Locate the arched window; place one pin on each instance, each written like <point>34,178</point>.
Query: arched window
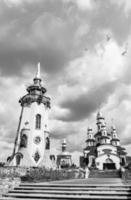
<point>19,156</point>
<point>47,143</point>
<point>23,142</point>
<point>38,121</point>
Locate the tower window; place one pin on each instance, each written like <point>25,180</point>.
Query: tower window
<point>38,121</point>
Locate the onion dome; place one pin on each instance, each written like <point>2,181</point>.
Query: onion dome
<point>99,116</point>
<point>89,130</point>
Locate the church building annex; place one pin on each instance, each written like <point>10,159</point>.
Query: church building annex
<point>103,149</point>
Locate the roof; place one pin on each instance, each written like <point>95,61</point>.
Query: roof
<point>99,115</point>
<point>119,148</point>
<point>88,148</point>
<point>104,137</point>
<point>115,139</point>
<point>122,153</point>
<point>97,134</point>
<point>91,149</point>
<point>92,153</point>
<point>90,140</point>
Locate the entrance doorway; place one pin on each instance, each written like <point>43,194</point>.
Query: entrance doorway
<point>109,164</point>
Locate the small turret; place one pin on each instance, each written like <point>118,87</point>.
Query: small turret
<point>104,139</point>
<point>90,139</point>
<point>103,130</point>
<point>114,141</point>
<point>100,120</point>
<point>99,115</point>
<point>64,159</point>
<point>64,146</point>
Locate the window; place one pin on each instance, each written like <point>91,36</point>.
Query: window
<point>23,142</point>
<point>38,121</point>
<point>47,146</point>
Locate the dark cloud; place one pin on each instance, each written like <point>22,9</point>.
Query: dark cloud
<point>87,103</point>
<point>52,32</point>
<point>46,31</point>
<point>36,32</point>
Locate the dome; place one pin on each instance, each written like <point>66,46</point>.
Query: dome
<point>64,142</point>
<point>99,116</point>
<point>89,129</point>
<point>113,127</point>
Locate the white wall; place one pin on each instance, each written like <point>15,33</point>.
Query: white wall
<point>29,114</point>
<point>102,159</point>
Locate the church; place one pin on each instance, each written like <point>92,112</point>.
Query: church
<point>32,142</point>
<point>103,150</point>
<point>64,159</point>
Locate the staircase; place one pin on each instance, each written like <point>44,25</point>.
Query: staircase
<point>104,174</point>
<point>93,188</point>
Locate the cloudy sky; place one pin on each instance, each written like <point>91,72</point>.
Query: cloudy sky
<point>84,47</point>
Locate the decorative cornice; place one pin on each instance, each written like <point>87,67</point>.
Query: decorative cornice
<point>28,99</point>
<point>36,87</point>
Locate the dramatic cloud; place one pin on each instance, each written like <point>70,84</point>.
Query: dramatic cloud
<point>88,102</point>
<point>84,48</point>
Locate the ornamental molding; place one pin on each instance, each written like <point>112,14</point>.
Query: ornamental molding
<point>29,99</point>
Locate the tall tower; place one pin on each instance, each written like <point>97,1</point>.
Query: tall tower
<point>32,141</point>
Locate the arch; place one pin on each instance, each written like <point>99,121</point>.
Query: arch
<point>108,160</point>
<point>47,146</point>
<point>38,121</point>
<point>19,156</point>
<point>23,142</point>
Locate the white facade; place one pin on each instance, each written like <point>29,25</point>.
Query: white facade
<point>107,154</point>
<point>32,145</point>
<point>103,150</point>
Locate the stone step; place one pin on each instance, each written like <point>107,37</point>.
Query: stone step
<point>71,190</point>
<point>80,181</point>
<point>63,197</point>
<point>74,188</point>
<point>77,185</point>
<point>69,198</point>
<point>89,192</point>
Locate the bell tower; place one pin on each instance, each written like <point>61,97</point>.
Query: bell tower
<point>32,143</point>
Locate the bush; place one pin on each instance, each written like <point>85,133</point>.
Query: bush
<point>42,174</point>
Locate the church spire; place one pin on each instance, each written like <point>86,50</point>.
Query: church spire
<point>38,71</point>
<point>37,78</point>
